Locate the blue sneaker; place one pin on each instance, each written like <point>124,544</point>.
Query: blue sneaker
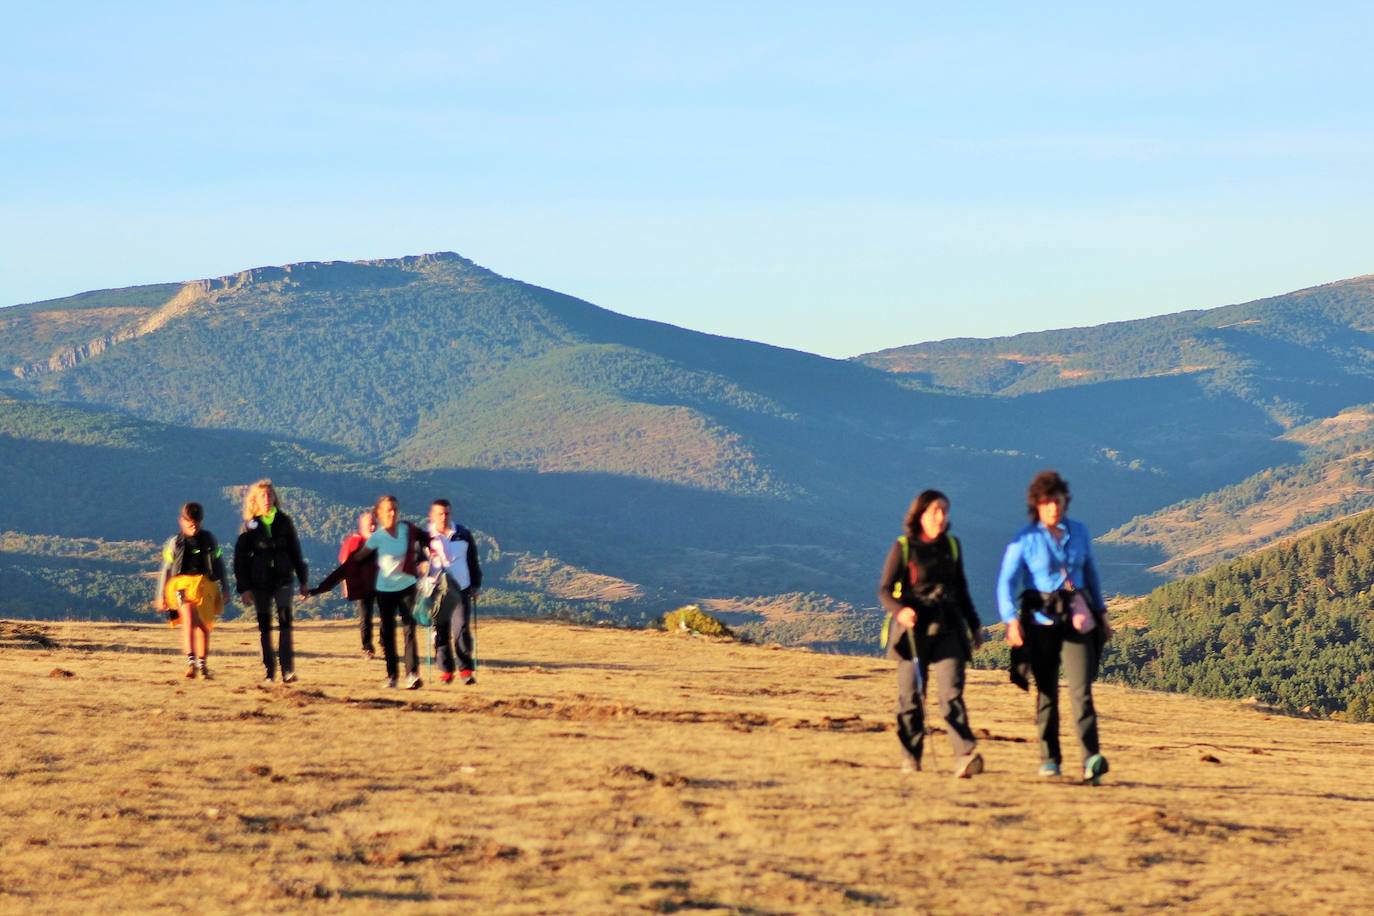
<point>1094,768</point>
<point>1049,770</point>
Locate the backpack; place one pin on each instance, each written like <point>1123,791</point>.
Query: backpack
<point>897,586</point>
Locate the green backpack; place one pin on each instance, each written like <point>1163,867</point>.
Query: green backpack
<point>897,586</point>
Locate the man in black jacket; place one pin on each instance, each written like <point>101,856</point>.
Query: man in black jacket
<point>266,557</point>
<point>453,560</point>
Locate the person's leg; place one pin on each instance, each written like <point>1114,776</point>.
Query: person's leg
<point>187,622</point>
<point>444,618</point>
<point>386,617</point>
<point>262,605</point>
<point>462,636</point>
<point>1080,661</point>
<point>1044,645</point>
<point>911,719</point>
<point>285,649</point>
<point>949,675</point>
<point>404,605</point>
<point>365,606</point>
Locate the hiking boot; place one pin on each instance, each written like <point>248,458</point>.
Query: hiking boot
<point>1049,770</point>
<point>288,677</point>
<point>467,676</point>
<point>1094,768</point>
<point>190,671</point>
<point>968,766</point>
<point>414,683</point>
<point>446,677</point>
<point>390,683</point>
<point>203,670</point>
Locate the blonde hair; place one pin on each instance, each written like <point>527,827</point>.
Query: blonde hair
<point>250,497</point>
<point>388,498</point>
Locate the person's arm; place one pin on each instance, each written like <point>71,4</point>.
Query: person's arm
<point>243,563</point>
<point>217,563</point>
<point>1090,580</point>
<point>975,625</point>
<point>160,600</point>
<point>328,582</point>
<point>297,558</point>
<point>1009,578</point>
<point>474,567</point>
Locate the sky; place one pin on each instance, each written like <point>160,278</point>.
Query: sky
<point>833,179</point>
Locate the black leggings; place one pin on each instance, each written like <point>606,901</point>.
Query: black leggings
<point>389,604</point>
<point>263,600</point>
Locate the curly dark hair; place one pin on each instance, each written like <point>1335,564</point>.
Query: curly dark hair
<point>1045,487</point>
<point>918,508</point>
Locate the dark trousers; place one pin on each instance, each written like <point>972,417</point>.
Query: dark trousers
<point>389,606</point>
<point>365,608</point>
<point>945,660</point>
<point>1050,647</point>
<point>263,600</point>
<point>453,628</point>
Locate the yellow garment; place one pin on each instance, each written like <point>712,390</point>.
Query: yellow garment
<point>203,595</point>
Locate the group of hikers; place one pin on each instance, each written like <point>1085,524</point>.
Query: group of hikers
<point>1049,597</point>
<point>387,565</point>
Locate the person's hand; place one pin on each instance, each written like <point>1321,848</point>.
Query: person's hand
<point>160,605</point>
<point>978,638</point>
<point>422,567</point>
<point>475,593</point>
<point>247,599</point>
<point>305,592</point>
<point>907,617</point>
<point>1014,635</point>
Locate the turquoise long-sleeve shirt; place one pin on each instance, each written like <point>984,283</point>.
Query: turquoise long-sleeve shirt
<point>1035,559</point>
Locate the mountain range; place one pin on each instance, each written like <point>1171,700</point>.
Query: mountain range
<point>616,467</point>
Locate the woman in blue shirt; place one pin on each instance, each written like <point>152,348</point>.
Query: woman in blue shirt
<point>1049,596</point>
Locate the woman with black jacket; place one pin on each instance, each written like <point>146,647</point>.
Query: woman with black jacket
<point>266,557</point>
<point>933,626</point>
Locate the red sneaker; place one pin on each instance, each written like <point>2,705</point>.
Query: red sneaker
<point>446,677</point>
<point>466,676</point>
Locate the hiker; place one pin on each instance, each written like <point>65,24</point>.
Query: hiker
<point>191,586</point>
<point>360,584</point>
<point>395,547</point>
<point>457,578</point>
<point>933,626</point>
<point>1060,618</point>
<point>266,556</point>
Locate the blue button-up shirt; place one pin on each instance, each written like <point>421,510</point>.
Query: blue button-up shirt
<point>1036,559</point>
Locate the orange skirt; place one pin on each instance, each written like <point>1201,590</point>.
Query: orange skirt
<point>203,595</point>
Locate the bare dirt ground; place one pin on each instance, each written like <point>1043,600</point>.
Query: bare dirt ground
<point>595,770</point>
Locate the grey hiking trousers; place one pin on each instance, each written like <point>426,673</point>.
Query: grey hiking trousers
<point>944,660</point>
<point>1050,646</point>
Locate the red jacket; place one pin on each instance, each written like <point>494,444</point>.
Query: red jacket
<point>360,580</point>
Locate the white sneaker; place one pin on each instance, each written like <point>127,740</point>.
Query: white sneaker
<point>414,682</point>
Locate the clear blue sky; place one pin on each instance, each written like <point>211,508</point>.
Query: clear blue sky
<point>835,179</point>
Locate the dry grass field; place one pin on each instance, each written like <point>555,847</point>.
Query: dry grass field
<point>595,770</point>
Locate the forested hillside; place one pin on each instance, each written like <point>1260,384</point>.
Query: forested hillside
<point>1292,626</point>
<point>1299,356</point>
